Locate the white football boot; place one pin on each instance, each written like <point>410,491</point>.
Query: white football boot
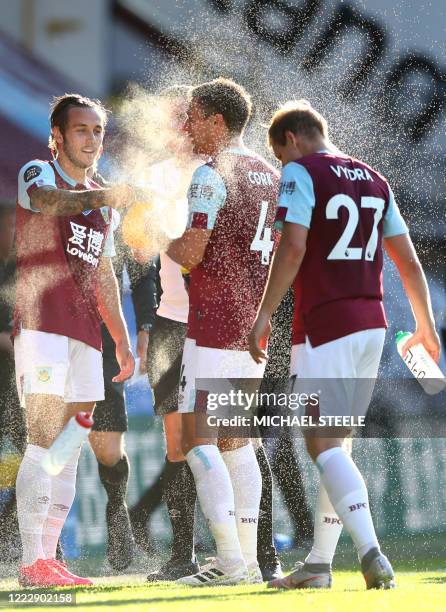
<point>216,573</point>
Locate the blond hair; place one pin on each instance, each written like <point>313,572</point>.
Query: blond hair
<point>298,117</point>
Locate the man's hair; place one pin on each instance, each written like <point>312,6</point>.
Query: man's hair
<point>298,117</point>
<point>176,91</point>
<point>225,97</point>
<point>60,108</point>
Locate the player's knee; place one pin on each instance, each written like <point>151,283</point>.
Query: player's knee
<point>176,454</point>
<point>186,446</point>
<point>256,443</point>
<point>37,439</point>
<point>44,419</point>
<point>174,448</point>
<point>44,437</point>
<point>108,456</point>
<point>188,442</point>
<point>229,444</point>
<point>315,446</point>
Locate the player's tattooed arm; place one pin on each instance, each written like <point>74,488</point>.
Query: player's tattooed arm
<point>66,202</point>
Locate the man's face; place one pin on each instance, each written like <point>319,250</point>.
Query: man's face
<point>178,141</point>
<point>203,131</point>
<point>82,140</point>
<point>287,152</point>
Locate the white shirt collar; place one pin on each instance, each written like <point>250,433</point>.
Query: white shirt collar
<point>63,175</point>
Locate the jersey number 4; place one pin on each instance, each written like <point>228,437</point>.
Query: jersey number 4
<point>342,250</point>
<point>264,245</point>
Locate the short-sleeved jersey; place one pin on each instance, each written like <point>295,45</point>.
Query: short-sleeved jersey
<point>235,197</point>
<point>58,259</point>
<point>348,208</point>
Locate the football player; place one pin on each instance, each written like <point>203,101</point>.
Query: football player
<point>336,214</point>
<point>227,248</point>
<point>65,286</point>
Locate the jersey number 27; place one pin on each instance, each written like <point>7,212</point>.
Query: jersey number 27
<point>342,250</point>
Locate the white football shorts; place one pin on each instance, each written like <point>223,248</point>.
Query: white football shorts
<point>341,372</point>
<point>209,366</point>
<point>52,364</point>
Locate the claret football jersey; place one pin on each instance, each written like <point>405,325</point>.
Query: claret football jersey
<point>348,209</point>
<point>58,259</point>
<point>235,197</point>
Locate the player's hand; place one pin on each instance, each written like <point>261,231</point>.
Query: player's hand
<point>428,337</point>
<point>142,344</point>
<point>258,338</point>
<point>6,345</point>
<point>121,196</point>
<point>126,362</point>
<point>142,256</point>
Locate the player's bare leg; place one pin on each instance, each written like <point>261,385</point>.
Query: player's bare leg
<point>108,446</point>
<point>113,466</point>
<point>216,495</point>
<point>173,437</point>
<point>43,501</point>
<point>175,484</point>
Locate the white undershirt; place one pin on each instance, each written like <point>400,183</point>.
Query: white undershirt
<point>170,181</point>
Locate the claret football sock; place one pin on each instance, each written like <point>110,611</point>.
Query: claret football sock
<point>216,496</point>
<point>348,493</point>
<point>327,530</point>
<point>246,481</point>
<point>33,491</point>
<point>63,490</point>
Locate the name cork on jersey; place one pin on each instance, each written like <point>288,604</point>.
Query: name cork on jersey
<point>227,286</point>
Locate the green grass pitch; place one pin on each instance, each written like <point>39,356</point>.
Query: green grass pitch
<point>417,591</point>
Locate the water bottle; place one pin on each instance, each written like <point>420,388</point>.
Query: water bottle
<point>70,440</point>
<point>421,364</point>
